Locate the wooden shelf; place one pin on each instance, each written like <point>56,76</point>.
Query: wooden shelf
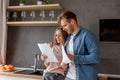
<point>34,7</point>
<point>33,23</point>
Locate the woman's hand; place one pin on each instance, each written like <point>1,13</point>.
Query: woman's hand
<point>43,57</point>
<point>51,44</point>
<point>63,65</point>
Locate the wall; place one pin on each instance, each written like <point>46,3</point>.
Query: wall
<point>1,26</point>
<point>22,44</point>
<point>88,12</point>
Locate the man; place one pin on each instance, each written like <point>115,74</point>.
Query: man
<point>81,47</point>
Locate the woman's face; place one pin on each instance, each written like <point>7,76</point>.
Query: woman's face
<point>59,37</point>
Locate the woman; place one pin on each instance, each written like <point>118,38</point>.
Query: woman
<point>55,70</point>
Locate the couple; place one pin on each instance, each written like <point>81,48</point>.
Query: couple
<point>81,47</point>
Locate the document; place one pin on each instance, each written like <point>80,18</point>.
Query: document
<point>65,57</point>
<point>46,49</point>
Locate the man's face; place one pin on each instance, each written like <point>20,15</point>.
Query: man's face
<point>67,26</point>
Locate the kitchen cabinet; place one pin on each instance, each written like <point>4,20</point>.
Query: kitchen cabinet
<point>33,8</point>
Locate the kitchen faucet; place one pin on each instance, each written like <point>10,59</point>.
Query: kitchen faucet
<point>36,59</point>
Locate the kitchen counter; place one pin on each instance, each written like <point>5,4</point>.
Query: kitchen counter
<point>37,77</point>
<point>108,76</point>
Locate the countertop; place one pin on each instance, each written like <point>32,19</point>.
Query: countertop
<point>20,75</point>
<point>105,76</point>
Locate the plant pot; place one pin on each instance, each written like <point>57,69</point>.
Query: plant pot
<point>21,4</point>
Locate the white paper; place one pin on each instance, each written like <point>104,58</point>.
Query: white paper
<point>65,57</point>
<point>45,49</point>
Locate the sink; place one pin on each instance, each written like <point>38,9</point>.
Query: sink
<point>30,72</point>
<point>38,73</point>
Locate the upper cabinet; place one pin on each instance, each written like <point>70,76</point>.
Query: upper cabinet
<point>33,8</point>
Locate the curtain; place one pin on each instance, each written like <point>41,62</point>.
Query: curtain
<point>3,30</point>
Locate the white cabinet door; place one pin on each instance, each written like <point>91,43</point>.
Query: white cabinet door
<point>14,78</point>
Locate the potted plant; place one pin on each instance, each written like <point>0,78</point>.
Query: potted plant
<point>21,2</point>
<point>47,1</point>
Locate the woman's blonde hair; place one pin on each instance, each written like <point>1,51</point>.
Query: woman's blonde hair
<point>64,34</point>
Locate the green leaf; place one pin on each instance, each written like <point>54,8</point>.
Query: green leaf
<point>21,1</point>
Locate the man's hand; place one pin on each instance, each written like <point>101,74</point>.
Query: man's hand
<point>71,57</point>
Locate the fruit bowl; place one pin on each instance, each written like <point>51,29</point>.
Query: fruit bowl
<point>7,68</point>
